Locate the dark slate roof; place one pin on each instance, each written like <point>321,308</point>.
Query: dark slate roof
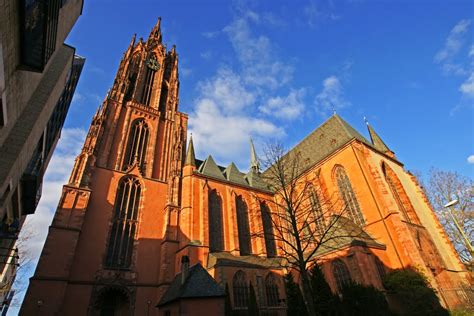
<point>228,259</point>
<point>324,140</point>
<point>198,284</point>
<point>210,168</point>
<point>233,174</point>
<point>345,233</point>
<point>377,141</point>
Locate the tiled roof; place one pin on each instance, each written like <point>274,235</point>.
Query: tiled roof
<point>198,284</point>
<point>227,259</point>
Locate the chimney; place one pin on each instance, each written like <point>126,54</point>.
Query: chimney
<point>184,268</point>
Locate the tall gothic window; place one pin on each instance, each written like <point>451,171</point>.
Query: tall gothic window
<point>348,196</point>
<point>241,290</point>
<point>397,191</point>
<point>216,229</point>
<point>318,212</point>
<point>137,144</point>
<point>268,230</point>
<point>341,273</point>
<point>152,67</point>
<point>271,289</point>
<point>243,226</point>
<point>124,224</point>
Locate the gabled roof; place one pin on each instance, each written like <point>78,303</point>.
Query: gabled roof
<point>251,261</point>
<point>377,142</point>
<point>324,140</point>
<point>254,180</point>
<point>233,174</point>
<point>210,168</point>
<point>198,284</point>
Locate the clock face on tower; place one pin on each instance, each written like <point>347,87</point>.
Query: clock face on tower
<point>153,64</point>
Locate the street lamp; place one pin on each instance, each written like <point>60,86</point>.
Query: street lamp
<point>449,207</point>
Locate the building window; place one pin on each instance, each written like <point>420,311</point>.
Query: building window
<point>380,268</point>
<point>124,224</point>
<point>243,226</point>
<point>268,230</point>
<point>348,196</point>
<point>149,79</point>
<point>398,192</point>
<point>241,290</point>
<point>271,289</point>
<point>317,212</point>
<point>216,229</point>
<point>38,31</point>
<point>137,145</point>
<point>341,274</point>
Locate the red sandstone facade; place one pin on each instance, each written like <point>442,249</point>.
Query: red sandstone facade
<point>137,201</point>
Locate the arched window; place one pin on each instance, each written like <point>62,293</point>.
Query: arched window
<point>112,301</point>
<point>216,229</point>
<point>271,290</point>
<point>241,289</point>
<point>152,67</point>
<point>348,196</point>
<point>317,211</point>
<point>137,144</point>
<point>268,230</point>
<point>398,192</point>
<point>243,226</point>
<point>124,224</point>
<point>341,273</point>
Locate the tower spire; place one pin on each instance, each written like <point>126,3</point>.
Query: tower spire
<point>155,34</point>
<point>190,156</point>
<point>377,142</point>
<point>254,163</point>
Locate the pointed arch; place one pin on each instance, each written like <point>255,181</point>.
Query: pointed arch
<point>149,79</point>
<point>137,145</point>
<point>398,192</point>
<point>243,226</point>
<point>215,218</point>
<point>271,291</point>
<point>317,211</point>
<point>124,224</point>
<point>268,234</point>
<point>348,195</point>
<point>240,289</point>
<point>341,274</point>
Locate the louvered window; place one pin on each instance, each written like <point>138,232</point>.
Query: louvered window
<point>137,145</point>
<point>124,224</point>
<point>341,273</point>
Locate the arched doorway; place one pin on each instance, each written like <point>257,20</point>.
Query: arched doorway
<point>112,301</point>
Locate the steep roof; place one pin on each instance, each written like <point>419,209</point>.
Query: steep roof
<point>324,140</point>
<point>210,168</point>
<point>228,259</point>
<point>377,142</point>
<point>198,284</point>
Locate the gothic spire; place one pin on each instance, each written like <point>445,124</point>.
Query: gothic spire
<point>377,142</point>
<point>131,45</point>
<point>155,34</point>
<point>190,157</point>
<point>254,164</point>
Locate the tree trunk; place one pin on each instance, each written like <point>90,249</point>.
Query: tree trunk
<point>307,293</point>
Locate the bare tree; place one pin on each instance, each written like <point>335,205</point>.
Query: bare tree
<point>444,187</point>
<point>306,220</point>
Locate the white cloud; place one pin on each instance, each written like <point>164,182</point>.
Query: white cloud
<point>453,42</point>
<point>470,159</point>
<point>210,34</point>
<point>331,96</point>
<point>206,55</point>
<point>467,88</point>
<point>227,90</point>
<point>289,107</point>
<point>317,13</point>
<point>260,67</point>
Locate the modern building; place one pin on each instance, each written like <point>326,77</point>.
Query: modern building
<point>144,223</point>
<point>38,76</point>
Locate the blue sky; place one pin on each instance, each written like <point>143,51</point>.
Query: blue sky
<point>275,70</point>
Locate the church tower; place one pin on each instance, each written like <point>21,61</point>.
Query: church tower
<point>110,245</point>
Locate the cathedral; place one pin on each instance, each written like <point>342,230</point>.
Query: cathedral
<point>143,227</point>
